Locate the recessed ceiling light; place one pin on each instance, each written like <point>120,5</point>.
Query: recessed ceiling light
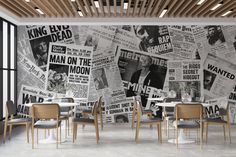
<point>80,13</point>
<point>227,13</point>
<point>96,4</point>
<point>27,0</point>
<point>39,11</point>
<point>125,5</point>
<point>163,12</point>
<point>72,0</point>
<point>217,6</point>
<point>200,2</point>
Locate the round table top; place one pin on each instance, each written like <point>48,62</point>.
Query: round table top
<point>172,104</point>
<point>61,104</point>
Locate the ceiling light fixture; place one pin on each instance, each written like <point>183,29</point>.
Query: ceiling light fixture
<point>72,0</point>
<point>163,12</point>
<point>200,2</point>
<point>125,5</point>
<point>80,13</point>
<point>27,1</point>
<point>96,4</point>
<point>227,13</point>
<point>217,6</point>
<point>39,11</point>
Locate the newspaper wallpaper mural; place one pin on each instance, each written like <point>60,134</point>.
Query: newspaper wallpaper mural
<point>118,62</point>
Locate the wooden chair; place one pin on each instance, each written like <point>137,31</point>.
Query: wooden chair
<point>223,119</point>
<point>48,117</point>
<point>87,121</point>
<point>193,112</point>
<point>88,112</point>
<point>140,121</point>
<point>134,113</point>
<point>11,111</point>
<point>66,113</point>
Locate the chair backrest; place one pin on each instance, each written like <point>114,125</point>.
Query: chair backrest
<point>95,109</point>
<point>11,108</point>
<point>70,100</point>
<point>139,111</point>
<point>45,111</point>
<point>188,111</point>
<point>100,104</point>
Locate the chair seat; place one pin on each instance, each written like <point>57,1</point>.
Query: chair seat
<point>152,120</point>
<point>19,120</point>
<point>83,120</point>
<point>88,111</point>
<point>171,117</point>
<point>188,124</point>
<point>147,111</point>
<point>215,120</point>
<point>46,124</point>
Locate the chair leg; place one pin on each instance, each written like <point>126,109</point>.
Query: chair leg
<point>27,132</point>
<point>160,132</point>
<point>74,132</point>
<point>206,132</point>
<point>32,133</point>
<point>45,132</point>
<point>137,132</point>
<point>5,131</point>
<point>60,134</point>
<point>101,120</point>
<point>68,126</point>
<point>97,132</point>
<point>133,119</point>
<point>37,136</point>
<point>57,136</point>
<point>229,132</point>
<point>177,137</point>
<point>224,132</point>
<point>10,132</point>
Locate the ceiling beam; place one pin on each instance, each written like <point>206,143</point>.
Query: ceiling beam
<point>148,8</point>
<point>94,8</point>
<point>128,9</point>
<point>102,8</point>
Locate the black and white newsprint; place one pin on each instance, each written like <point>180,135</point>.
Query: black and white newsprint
<point>142,73</point>
<point>218,77</point>
<point>185,77</point>
<point>69,68</point>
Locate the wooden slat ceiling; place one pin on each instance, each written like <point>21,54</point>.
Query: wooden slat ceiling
<point>115,8</point>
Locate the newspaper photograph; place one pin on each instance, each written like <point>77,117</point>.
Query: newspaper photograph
<point>211,39</point>
<point>69,68</point>
<point>37,39</point>
<point>119,111</point>
<point>125,38</point>
<point>99,37</point>
<point>218,77</point>
<point>183,43</point>
<point>141,73</point>
<point>106,77</point>
<point>152,39</point>
<point>29,73</point>
<point>185,77</point>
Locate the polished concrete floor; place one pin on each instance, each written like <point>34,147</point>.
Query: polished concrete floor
<point>118,141</point>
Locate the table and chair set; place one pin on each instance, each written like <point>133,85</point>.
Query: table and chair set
<point>49,115</point>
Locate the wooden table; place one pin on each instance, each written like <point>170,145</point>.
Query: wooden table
<point>181,137</point>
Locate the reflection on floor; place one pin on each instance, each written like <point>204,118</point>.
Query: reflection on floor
<point>118,141</point>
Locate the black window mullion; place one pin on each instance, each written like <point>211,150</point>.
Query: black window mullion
<point>9,61</point>
<point>1,71</point>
